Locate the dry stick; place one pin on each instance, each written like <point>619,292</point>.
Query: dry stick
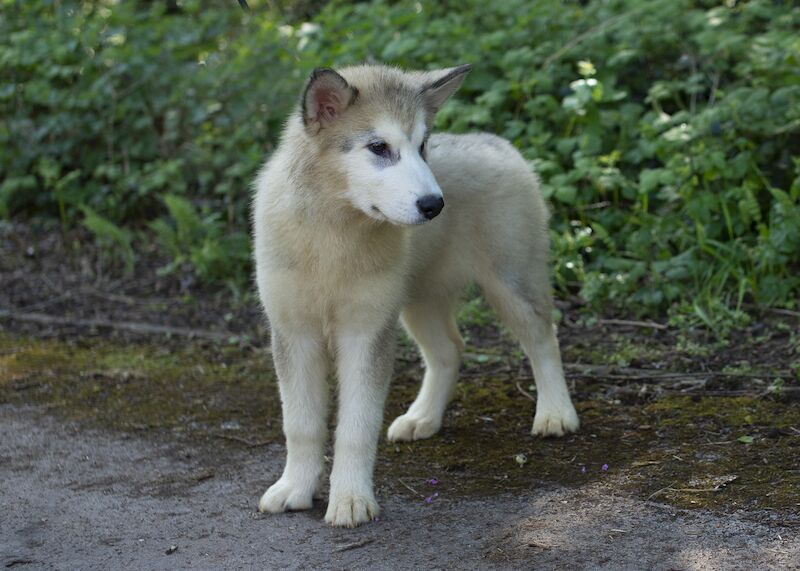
<point>122,298</point>
<point>131,326</point>
<point>634,373</point>
<point>409,487</point>
<point>526,393</point>
<point>780,311</point>
<point>716,489</point>
<point>47,302</point>
<point>244,441</point>
<point>685,490</point>
<point>628,322</point>
<point>355,545</point>
<point>657,493</point>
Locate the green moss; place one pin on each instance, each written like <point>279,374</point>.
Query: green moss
<point>659,449</point>
<point>138,386</point>
<point>654,448</point>
<point>617,350</point>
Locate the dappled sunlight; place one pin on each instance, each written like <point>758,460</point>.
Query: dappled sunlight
<point>593,527</point>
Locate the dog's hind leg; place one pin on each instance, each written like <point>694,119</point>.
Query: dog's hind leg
<point>525,306</point>
<point>301,364</point>
<point>433,327</point>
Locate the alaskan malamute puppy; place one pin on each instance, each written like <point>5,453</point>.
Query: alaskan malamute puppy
<point>363,216</point>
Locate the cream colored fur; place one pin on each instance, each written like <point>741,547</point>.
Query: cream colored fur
<point>341,253</point>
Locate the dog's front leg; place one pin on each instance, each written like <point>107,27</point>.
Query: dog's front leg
<point>364,363</point>
<point>301,365</point>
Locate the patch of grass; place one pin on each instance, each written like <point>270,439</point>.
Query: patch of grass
<point>668,445</point>
<point>144,386</point>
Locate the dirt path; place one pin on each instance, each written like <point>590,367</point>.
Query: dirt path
<point>147,445</point>
<point>87,499</point>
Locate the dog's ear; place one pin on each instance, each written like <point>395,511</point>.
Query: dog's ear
<point>441,84</point>
<point>326,96</point>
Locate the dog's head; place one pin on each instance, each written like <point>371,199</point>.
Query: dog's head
<point>372,123</point>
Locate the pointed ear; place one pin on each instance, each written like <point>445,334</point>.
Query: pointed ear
<point>441,84</point>
<point>326,96</point>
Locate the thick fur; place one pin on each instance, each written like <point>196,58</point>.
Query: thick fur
<point>342,252</point>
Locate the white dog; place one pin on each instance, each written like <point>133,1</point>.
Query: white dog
<point>352,232</point>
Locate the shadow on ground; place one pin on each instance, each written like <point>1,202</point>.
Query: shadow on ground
<point>118,452</point>
<point>123,449</point>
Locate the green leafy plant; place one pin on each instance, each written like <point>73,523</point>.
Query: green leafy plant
<point>666,134</point>
<point>202,241</point>
<point>113,240</point>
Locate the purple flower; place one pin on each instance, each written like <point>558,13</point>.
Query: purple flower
<point>430,499</point>
<point>433,481</point>
<point>583,469</point>
<point>604,467</point>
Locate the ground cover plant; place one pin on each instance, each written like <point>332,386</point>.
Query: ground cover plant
<point>667,138</point>
<point>666,133</point>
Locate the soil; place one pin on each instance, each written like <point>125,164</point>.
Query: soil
<point>128,447</point>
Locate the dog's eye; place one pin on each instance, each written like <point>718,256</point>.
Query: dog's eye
<point>422,149</point>
<point>379,148</point>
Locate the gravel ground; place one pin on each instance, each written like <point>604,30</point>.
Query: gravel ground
<point>78,498</point>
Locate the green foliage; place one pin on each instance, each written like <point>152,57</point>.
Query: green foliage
<point>113,104</point>
<point>215,255</point>
<point>667,134</point>
<point>111,238</point>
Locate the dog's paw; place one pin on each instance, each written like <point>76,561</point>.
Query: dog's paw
<point>555,421</point>
<point>351,510</point>
<point>408,427</point>
<point>285,495</point>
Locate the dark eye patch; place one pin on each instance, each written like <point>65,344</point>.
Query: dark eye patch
<point>380,149</point>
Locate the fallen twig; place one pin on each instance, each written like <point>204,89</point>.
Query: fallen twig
<point>47,302</point>
<point>635,373</point>
<point>691,490</point>
<point>780,311</point>
<point>630,323</point>
<point>130,326</point>
<point>354,545</point>
<point>718,488</point>
<point>526,393</point>
<point>203,476</point>
<point>244,441</point>
<point>409,487</point>
<point>18,561</point>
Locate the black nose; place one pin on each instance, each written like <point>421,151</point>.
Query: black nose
<point>430,205</point>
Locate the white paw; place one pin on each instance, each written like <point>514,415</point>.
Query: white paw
<point>286,495</point>
<point>351,510</point>
<point>408,427</point>
<point>555,421</point>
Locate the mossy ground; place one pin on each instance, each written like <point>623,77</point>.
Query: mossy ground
<point>674,438</point>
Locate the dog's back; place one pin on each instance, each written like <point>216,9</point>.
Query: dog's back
<point>495,216</point>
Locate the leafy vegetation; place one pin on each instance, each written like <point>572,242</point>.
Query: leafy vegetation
<point>667,134</point>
